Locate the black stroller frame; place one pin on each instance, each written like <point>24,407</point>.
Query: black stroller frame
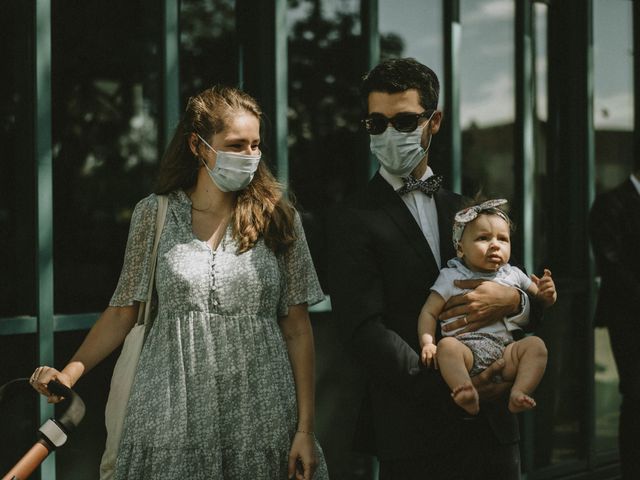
<point>52,434</point>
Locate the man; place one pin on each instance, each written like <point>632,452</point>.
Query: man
<point>614,228</point>
<point>388,246</point>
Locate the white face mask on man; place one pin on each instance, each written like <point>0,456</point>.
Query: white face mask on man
<point>232,171</point>
<point>398,152</point>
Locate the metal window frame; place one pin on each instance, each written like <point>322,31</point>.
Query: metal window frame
<point>452,32</point>
<point>45,324</point>
<point>44,206</point>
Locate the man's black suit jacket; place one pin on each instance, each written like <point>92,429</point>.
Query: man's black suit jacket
<point>381,269</point>
<point>614,228</point>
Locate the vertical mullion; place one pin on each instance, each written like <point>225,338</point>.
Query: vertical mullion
<point>170,70</point>
<point>44,192</point>
<point>280,86</point>
<point>525,164</point>
<point>452,35</point>
<point>636,78</point>
<point>369,13</point>
<point>591,269</point>
<point>524,141</point>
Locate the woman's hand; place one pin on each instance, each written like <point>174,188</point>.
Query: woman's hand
<point>487,303</point>
<point>303,460</point>
<point>41,378</point>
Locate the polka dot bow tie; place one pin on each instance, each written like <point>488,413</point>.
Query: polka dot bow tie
<point>429,186</point>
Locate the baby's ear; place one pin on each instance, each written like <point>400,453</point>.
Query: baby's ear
<point>459,252</point>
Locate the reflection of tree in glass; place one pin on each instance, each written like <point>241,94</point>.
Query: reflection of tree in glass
<point>208,46</point>
<point>105,89</point>
<point>326,62</point>
<point>391,46</point>
<point>328,151</point>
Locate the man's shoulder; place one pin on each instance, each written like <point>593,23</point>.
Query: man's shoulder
<point>615,200</point>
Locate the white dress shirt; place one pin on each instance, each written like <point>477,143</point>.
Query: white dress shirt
<point>423,209</point>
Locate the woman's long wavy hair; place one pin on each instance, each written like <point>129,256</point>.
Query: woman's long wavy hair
<point>261,209</point>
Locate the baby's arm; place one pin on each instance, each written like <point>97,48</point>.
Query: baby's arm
<point>427,327</point>
<point>543,289</point>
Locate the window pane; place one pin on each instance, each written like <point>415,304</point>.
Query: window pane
<point>415,30</point>
<point>613,118</point>
<point>328,157</point>
<point>613,95</point>
<point>327,149</point>
<point>540,133</point>
<point>17,173</point>
<point>608,398</point>
<point>208,45</point>
<point>487,96</point>
<point>81,455</point>
<point>106,87</point>
<point>19,407</point>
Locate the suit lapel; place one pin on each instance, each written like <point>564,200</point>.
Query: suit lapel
<point>447,204</point>
<point>395,207</point>
<point>631,205</point>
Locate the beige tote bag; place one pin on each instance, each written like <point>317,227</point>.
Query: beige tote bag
<point>125,367</point>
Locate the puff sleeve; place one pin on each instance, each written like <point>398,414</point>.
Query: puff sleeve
<point>134,277</point>
<point>300,282</point>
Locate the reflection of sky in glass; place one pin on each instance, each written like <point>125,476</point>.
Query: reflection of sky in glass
<point>419,24</point>
<point>613,64</point>
<point>486,62</point>
<point>540,33</point>
<point>487,54</point>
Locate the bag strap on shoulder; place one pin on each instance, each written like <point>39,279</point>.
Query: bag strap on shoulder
<point>144,312</point>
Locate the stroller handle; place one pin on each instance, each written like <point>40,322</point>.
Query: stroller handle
<point>52,434</point>
<point>74,413</point>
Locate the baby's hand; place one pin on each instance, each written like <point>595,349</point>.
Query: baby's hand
<point>546,288</point>
<point>428,355</point>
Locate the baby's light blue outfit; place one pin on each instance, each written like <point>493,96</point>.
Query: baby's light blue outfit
<point>486,343</point>
<point>213,396</point>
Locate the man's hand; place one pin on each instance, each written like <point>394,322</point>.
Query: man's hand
<point>487,302</point>
<point>488,390</point>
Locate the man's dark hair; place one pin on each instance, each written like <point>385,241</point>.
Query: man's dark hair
<point>399,74</point>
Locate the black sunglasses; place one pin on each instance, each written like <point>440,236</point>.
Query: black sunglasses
<point>376,123</point>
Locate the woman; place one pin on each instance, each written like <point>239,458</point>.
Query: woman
<point>224,386</point>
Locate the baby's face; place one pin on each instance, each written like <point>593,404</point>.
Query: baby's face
<point>486,243</point>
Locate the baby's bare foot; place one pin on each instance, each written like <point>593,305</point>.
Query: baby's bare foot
<point>466,397</point>
<point>520,401</point>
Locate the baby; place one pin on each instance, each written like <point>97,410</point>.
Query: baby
<point>481,235</point>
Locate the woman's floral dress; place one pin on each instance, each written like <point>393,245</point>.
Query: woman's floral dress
<point>213,395</point>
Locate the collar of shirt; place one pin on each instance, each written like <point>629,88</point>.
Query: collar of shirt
<point>396,181</point>
<point>636,182</point>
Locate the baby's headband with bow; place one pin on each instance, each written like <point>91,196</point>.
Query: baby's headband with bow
<point>470,213</point>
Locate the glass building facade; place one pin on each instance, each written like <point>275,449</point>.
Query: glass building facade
<point>539,101</point>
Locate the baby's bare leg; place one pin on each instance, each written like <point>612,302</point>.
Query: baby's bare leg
<point>454,361</point>
<point>525,362</point>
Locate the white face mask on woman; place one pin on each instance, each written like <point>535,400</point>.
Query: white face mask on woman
<point>399,152</point>
<point>233,171</point>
